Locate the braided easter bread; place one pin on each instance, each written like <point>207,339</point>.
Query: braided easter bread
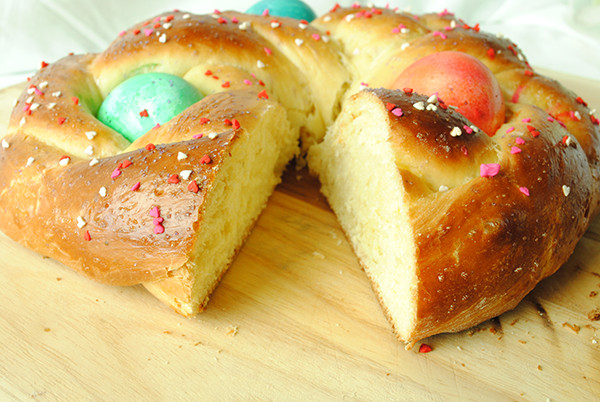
<point>452,225</point>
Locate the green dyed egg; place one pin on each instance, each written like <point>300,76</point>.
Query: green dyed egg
<point>284,8</point>
<point>141,102</point>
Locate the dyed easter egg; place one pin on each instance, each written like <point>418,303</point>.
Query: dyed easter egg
<point>141,102</point>
<point>284,8</point>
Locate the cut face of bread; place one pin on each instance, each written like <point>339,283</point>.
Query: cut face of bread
<point>357,168</point>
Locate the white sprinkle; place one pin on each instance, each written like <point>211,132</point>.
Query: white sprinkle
<point>30,161</point>
<point>404,46</point>
<point>212,136</point>
<point>29,100</point>
<point>452,24</point>
<point>327,18</point>
<point>325,38</point>
<point>22,122</point>
<point>443,188</point>
<point>181,156</point>
<point>275,24</point>
<point>90,134</point>
<point>568,141</point>
<point>244,25</point>
<point>356,51</point>
<point>456,132</point>
<point>89,150</point>
<point>404,30</point>
<point>34,106</point>
<point>577,115</point>
<point>167,25</point>
<point>5,143</point>
<point>318,255</point>
<point>163,38</point>
<point>56,94</point>
<point>15,101</point>
<point>185,174</point>
<point>520,57</point>
<point>592,111</point>
<point>102,191</point>
<point>302,25</point>
<point>431,107</point>
<point>474,128</point>
<point>43,84</point>
<point>566,190</point>
<point>51,105</point>
<point>260,64</point>
<point>419,105</point>
<point>81,222</point>
<point>64,161</point>
<point>185,16</point>
<point>30,91</point>
<point>299,41</point>
<point>432,99</point>
<point>94,162</point>
<point>349,17</point>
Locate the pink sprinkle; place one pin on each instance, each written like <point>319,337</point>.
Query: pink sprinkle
<point>155,212</point>
<point>510,130</point>
<point>468,129</point>
<point>397,112</point>
<point>489,169</point>
<point>122,33</point>
<point>562,124</point>
<point>37,91</point>
<point>519,140</point>
<point>158,229</point>
<point>440,34</point>
<point>157,126</point>
<point>234,20</point>
<point>268,51</point>
<point>196,136</point>
<point>157,19</point>
<point>551,119</point>
<point>157,221</point>
<point>247,82</point>
<point>396,30</point>
<point>265,12</point>
<point>116,173</point>
<point>316,36</point>
<point>527,120</point>
<point>524,190</point>
<point>136,186</point>
<point>515,150</point>
<point>572,114</point>
<point>148,31</point>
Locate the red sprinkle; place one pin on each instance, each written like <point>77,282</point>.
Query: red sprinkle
<point>174,178</point>
<point>390,106</point>
<point>491,53</point>
<point>193,186</point>
<point>235,124</point>
<point>204,120</point>
<point>208,72</point>
<point>44,64</point>
<point>408,90</point>
<point>150,147</point>
<point>263,95</point>
<point>226,84</point>
<point>425,348</point>
<point>75,100</point>
<point>335,8</point>
<point>222,20</point>
<point>125,163</point>
<point>529,73</point>
<point>205,160</point>
<point>144,113</point>
<point>580,101</point>
<point>86,236</point>
<point>61,120</point>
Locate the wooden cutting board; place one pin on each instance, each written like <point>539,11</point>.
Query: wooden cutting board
<point>293,319</point>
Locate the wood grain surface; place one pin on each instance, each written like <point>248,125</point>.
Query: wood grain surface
<point>293,319</point>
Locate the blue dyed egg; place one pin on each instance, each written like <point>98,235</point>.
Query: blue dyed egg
<point>284,8</point>
<point>141,102</point>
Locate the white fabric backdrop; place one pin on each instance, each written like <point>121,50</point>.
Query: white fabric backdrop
<point>563,35</point>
